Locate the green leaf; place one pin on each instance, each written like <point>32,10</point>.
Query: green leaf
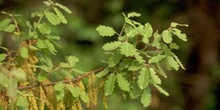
<point>72,60</point>
<point>41,77</point>
<point>54,37</point>
<point>60,95</point>
<point>10,28</point>
<point>64,65</point>
<point>63,7</point>
<point>143,78</point>
<point>18,73</point>
<point>3,80</point>
<point>135,91</point>
<point>133,14</point>
<point>161,72</point>
<point>179,62</point>
<point>84,97</point>
<point>2,57</point>
<point>135,66</point>
<point>174,46</point>
<point>128,21</point>
<point>50,47</point>
<point>166,49</point>
<point>135,31</point>
<point>105,30</point>
<point>22,102</point>
<point>123,83</point>
<point>167,36</point>
<point>128,49</point>
<point>157,39</point>
<point>47,60</point>
<point>147,33</point>
<point>112,45</point>
<point>4,23</point>
<point>124,64</point>
<point>24,52</point>
<point>156,59</point>
<point>178,33</point>
<point>161,90</point>
<point>172,63</point>
<point>47,3</point>
<point>52,18</point>
<point>174,24</point>
<point>59,87</point>
<point>146,98</point>
<point>102,73</point>
<point>75,91</point>
<point>44,28</point>
<point>139,58</point>
<point>60,15</point>
<point>41,44</point>
<point>154,77</point>
<point>114,60</point>
<point>12,88</point>
<point>110,84</point>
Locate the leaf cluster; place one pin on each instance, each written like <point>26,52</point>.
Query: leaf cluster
<point>30,80</point>
<point>136,58</point>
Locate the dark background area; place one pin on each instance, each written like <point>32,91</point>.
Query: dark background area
<point>196,88</point>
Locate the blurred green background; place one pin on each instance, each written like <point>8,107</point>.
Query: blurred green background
<point>196,88</point>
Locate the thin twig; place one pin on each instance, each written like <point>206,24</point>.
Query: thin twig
<point>63,81</point>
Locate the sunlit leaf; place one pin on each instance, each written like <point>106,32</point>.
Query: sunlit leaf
<point>139,58</point>
<point>11,88</point>
<point>59,87</point>
<point>147,33</point>
<point>128,49</point>
<point>156,59</point>
<point>174,24</point>
<point>178,33</point>
<point>50,46</point>
<point>154,77</point>
<point>63,7</point>
<point>72,60</point>
<point>10,28</point>
<point>102,73</point>
<point>2,57</point>
<point>105,31</point>
<point>114,60</point>
<point>84,97</point>
<point>60,15</point>
<point>75,90</point>
<point>161,90</point>
<point>4,23</point>
<point>174,46</point>
<point>22,102</point>
<point>3,80</point>
<point>41,44</point>
<point>172,62</point>
<point>52,18</point>
<point>110,84</point>
<point>133,14</point>
<point>24,52</point>
<point>146,98</point>
<point>44,28</point>
<point>123,83</point>
<point>161,71</point>
<point>167,36</point>
<point>18,73</point>
<point>135,31</point>
<point>143,78</point>
<point>112,45</point>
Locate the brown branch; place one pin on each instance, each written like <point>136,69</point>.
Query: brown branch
<point>63,81</point>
